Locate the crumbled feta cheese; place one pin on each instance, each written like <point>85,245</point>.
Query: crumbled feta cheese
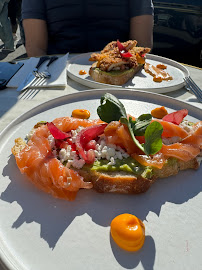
<point>51,140</point>
<point>75,132</point>
<point>168,141</point>
<point>185,125</point>
<point>29,135</point>
<point>66,154</point>
<point>107,151</point>
<point>112,161</point>
<point>78,163</point>
<point>110,152</point>
<point>118,155</point>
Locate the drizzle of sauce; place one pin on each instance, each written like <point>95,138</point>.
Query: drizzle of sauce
<point>159,74</point>
<point>82,72</point>
<point>161,66</point>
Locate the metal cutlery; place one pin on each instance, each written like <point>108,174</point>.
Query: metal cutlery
<point>31,76</point>
<point>45,73</point>
<point>193,87</point>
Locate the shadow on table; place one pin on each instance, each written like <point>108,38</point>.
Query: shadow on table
<point>9,101</point>
<point>55,215</point>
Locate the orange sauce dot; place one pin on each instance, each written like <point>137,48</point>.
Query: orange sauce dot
<point>159,112</point>
<point>80,113</point>
<point>128,232</point>
<point>82,72</point>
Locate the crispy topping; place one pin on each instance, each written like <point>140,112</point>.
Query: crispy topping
<point>110,57</point>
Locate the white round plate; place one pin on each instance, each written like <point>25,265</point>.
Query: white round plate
<point>40,232</point>
<point>141,81</point>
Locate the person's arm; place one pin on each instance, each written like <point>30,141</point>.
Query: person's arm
<point>141,29</point>
<point>36,37</point>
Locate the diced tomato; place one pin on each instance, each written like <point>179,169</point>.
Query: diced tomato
<point>56,132</point>
<point>176,117</point>
<point>84,137</point>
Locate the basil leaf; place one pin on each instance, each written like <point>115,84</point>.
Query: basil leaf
<point>111,108</point>
<point>153,141</point>
<point>142,122</point>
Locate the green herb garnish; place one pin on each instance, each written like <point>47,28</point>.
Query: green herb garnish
<point>111,109</point>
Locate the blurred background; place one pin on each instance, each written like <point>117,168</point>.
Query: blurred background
<point>177,32</point>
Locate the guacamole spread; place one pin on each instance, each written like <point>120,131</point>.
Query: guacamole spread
<point>129,165</point>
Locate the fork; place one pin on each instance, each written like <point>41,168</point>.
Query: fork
<point>193,88</point>
<point>45,73</point>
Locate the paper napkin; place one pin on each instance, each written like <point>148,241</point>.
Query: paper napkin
<point>57,70</point>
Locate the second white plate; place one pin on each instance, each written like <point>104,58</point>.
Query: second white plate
<point>141,81</point>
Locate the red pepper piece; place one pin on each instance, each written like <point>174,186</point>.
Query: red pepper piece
<point>126,54</point>
<point>84,137</point>
<point>120,46</point>
<point>56,132</point>
<point>176,117</point>
<point>123,51</point>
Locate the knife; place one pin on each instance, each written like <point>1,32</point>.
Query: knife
<point>31,76</point>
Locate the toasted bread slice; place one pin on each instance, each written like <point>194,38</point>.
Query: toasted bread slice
<point>117,182</point>
<point>128,183</point>
<point>19,145</point>
<point>115,77</point>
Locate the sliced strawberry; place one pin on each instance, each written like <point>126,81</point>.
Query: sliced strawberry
<point>56,132</point>
<point>176,117</point>
<point>84,137</point>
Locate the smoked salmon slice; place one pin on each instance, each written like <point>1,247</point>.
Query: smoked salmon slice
<point>37,161</point>
<point>67,124</point>
<point>195,136</point>
<point>118,134</point>
<point>172,130</point>
<point>157,160</point>
<point>180,151</point>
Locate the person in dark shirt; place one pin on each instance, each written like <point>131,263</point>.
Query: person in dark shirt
<point>77,26</point>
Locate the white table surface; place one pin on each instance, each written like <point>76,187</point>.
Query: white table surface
<point>12,106</point>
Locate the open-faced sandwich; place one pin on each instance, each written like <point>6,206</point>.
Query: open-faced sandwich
<point>115,153</point>
<point>117,62</point>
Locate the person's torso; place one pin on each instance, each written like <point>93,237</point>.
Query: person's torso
<point>86,25</point>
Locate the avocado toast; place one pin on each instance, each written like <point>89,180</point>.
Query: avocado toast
<point>116,153</point>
